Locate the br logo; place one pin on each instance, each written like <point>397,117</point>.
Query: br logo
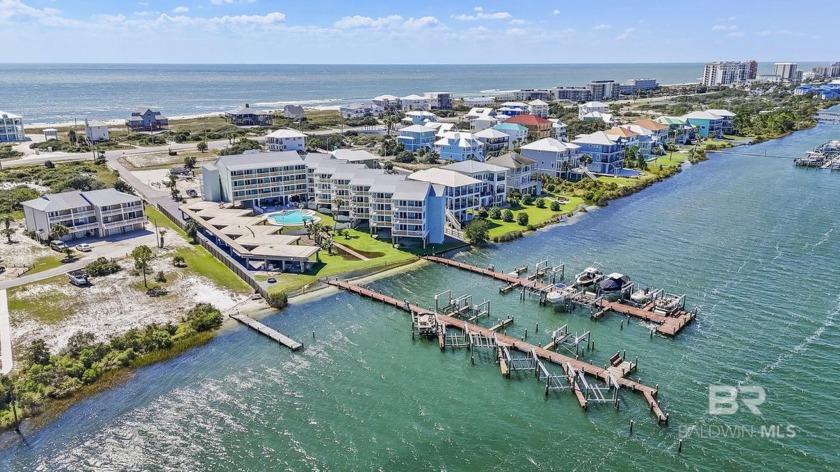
<point>723,399</point>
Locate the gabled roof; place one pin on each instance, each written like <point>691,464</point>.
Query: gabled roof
<point>551,145</point>
<point>411,190</point>
<point>247,110</point>
<point>449,178</point>
<point>58,201</point>
<point>510,126</point>
<point>671,120</point>
<point>598,137</point>
<point>623,132</point>
<point>413,97</point>
<point>527,120</point>
<point>386,97</point>
<point>594,105</point>
<point>537,102</point>
<point>473,167</point>
<point>108,196</point>
<point>418,129</point>
<point>354,155</point>
<point>248,161</point>
<point>491,133</point>
<point>458,138</point>
<point>387,183</point>
<point>285,133</point>
<point>701,115</point>
<point>721,112</point>
<point>650,125</point>
<point>5,114</point>
<point>511,160</point>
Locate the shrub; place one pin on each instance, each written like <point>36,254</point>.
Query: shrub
<point>102,267</point>
<point>522,218</point>
<point>495,213</point>
<point>204,317</point>
<point>476,231</point>
<point>179,261</point>
<point>550,187</point>
<point>49,164</point>
<point>278,300</point>
<point>507,216</point>
<point>540,203</point>
<point>555,206</point>
<point>160,277</point>
<point>483,213</point>
<point>527,199</point>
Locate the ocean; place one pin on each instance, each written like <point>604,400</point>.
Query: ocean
<point>752,241</point>
<point>61,93</point>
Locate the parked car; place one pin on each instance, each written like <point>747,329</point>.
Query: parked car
<point>57,245</point>
<point>83,247</point>
<point>78,278</point>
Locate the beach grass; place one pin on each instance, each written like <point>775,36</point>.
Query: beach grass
<point>47,308</point>
<point>670,159</point>
<point>45,263</point>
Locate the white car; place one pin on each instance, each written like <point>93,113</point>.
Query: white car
<point>84,247</point>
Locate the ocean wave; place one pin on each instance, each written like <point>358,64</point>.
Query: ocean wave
<point>281,103</point>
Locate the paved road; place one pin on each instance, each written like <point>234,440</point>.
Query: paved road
<point>5,336</point>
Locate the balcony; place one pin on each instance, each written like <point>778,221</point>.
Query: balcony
<point>123,222</point>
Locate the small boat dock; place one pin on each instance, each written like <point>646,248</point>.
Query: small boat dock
<point>270,333</point>
<point>824,156</point>
<point>670,324</point>
<point>573,379</point>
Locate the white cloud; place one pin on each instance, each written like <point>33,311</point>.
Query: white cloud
<point>556,12</point>
<point>392,21</point>
<point>271,20</point>
<point>481,15</point>
<point>735,34</point>
<point>602,26</point>
<point>179,10</point>
<point>725,28</point>
<point>626,34</point>
<point>781,32</point>
<point>219,2</point>
<point>516,32</point>
<point>518,22</point>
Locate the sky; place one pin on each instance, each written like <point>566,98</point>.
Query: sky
<point>416,32</point>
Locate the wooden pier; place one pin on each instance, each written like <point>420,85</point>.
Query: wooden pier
<point>668,325</point>
<point>270,333</point>
<point>613,375</point>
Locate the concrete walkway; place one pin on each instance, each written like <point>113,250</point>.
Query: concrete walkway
<point>5,336</point>
<point>38,276</point>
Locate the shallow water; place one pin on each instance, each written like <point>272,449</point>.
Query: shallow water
<point>752,241</point>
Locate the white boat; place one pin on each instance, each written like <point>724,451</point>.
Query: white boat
<point>513,274</point>
<point>559,294</point>
<point>642,296</point>
<point>589,277</point>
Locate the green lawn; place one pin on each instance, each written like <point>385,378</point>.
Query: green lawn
<point>620,181</point>
<point>45,263</point>
<point>670,159</point>
<point>199,260</point>
<point>536,216</point>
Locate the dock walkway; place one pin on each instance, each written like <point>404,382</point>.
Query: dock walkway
<point>270,333</point>
<point>668,325</point>
<point>605,375</point>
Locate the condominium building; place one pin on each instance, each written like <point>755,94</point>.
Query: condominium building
<point>462,193</point>
<point>286,140</point>
<point>493,189</point>
<point>728,72</point>
<point>406,209</point>
<point>786,70</point>
<point>603,90</point>
<point>11,128</point>
<point>95,213</point>
<point>440,100</point>
<point>255,180</point>
<point>572,94</point>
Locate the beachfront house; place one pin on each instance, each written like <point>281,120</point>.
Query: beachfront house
<point>707,124</point>
<point>256,180</point>
<point>513,109</point>
<point>493,180</point>
<point>521,173</point>
<point>553,157</point>
<point>95,213</point>
<point>658,132</point>
<point>518,133</point>
<point>538,108</point>
<point>538,128</point>
<point>439,100</point>
<point>642,142</point>
<point>417,137</point>
<point>495,142</point>
<point>459,146</point>
<point>589,107</point>
<point>96,131</point>
<point>728,120</point>
<point>679,131</point>
<point>558,129</point>
<point>605,151</point>
<point>359,110</point>
<point>479,101</point>
<point>286,140</point>
<point>461,193</point>
<point>387,103</point>
<point>294,112</point>
<point>146,120</point>
<point>11,128</point>
<point>419,117</point>
<point>247,116</point>
<point>414,103</point>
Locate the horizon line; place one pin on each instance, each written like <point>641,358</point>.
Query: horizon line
<point>395,64</point>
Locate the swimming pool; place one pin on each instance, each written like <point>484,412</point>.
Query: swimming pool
<point>292,217</point>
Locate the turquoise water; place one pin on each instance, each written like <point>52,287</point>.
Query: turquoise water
<point>753,241</point>
<point>59,93</point>
<point>292,217</point>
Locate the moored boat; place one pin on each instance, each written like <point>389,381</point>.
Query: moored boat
<point>614,284</point>
<point>590,276</point>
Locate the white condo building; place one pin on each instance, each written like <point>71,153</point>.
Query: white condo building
<point>728,72</point>
<point>95,213</point>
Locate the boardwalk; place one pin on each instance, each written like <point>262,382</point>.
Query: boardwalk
<point>668,325</point>
<point>270,333</point>
<point>603,374</point>
<point>5,335</point>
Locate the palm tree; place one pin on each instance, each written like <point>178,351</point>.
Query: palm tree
<point>191,228</point>
<point>337,204</point>
<point>8,231</point>
<point>586,159</point>
<point>58,231</point>
<point>142,255</point>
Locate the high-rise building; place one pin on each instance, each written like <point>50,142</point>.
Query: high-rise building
<point>786,70</point>
<point>834,70</point>
<point>729,72</point>
<point>603,89</point>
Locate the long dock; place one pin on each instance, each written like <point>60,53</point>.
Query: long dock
<point>668,325</point>
<point>270,333</point>
<point>607,375</point>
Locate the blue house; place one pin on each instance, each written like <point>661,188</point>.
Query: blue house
<point>707,123</point>
<point>146,120</point>
<point>417,137</point>
<point>607,152</point>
